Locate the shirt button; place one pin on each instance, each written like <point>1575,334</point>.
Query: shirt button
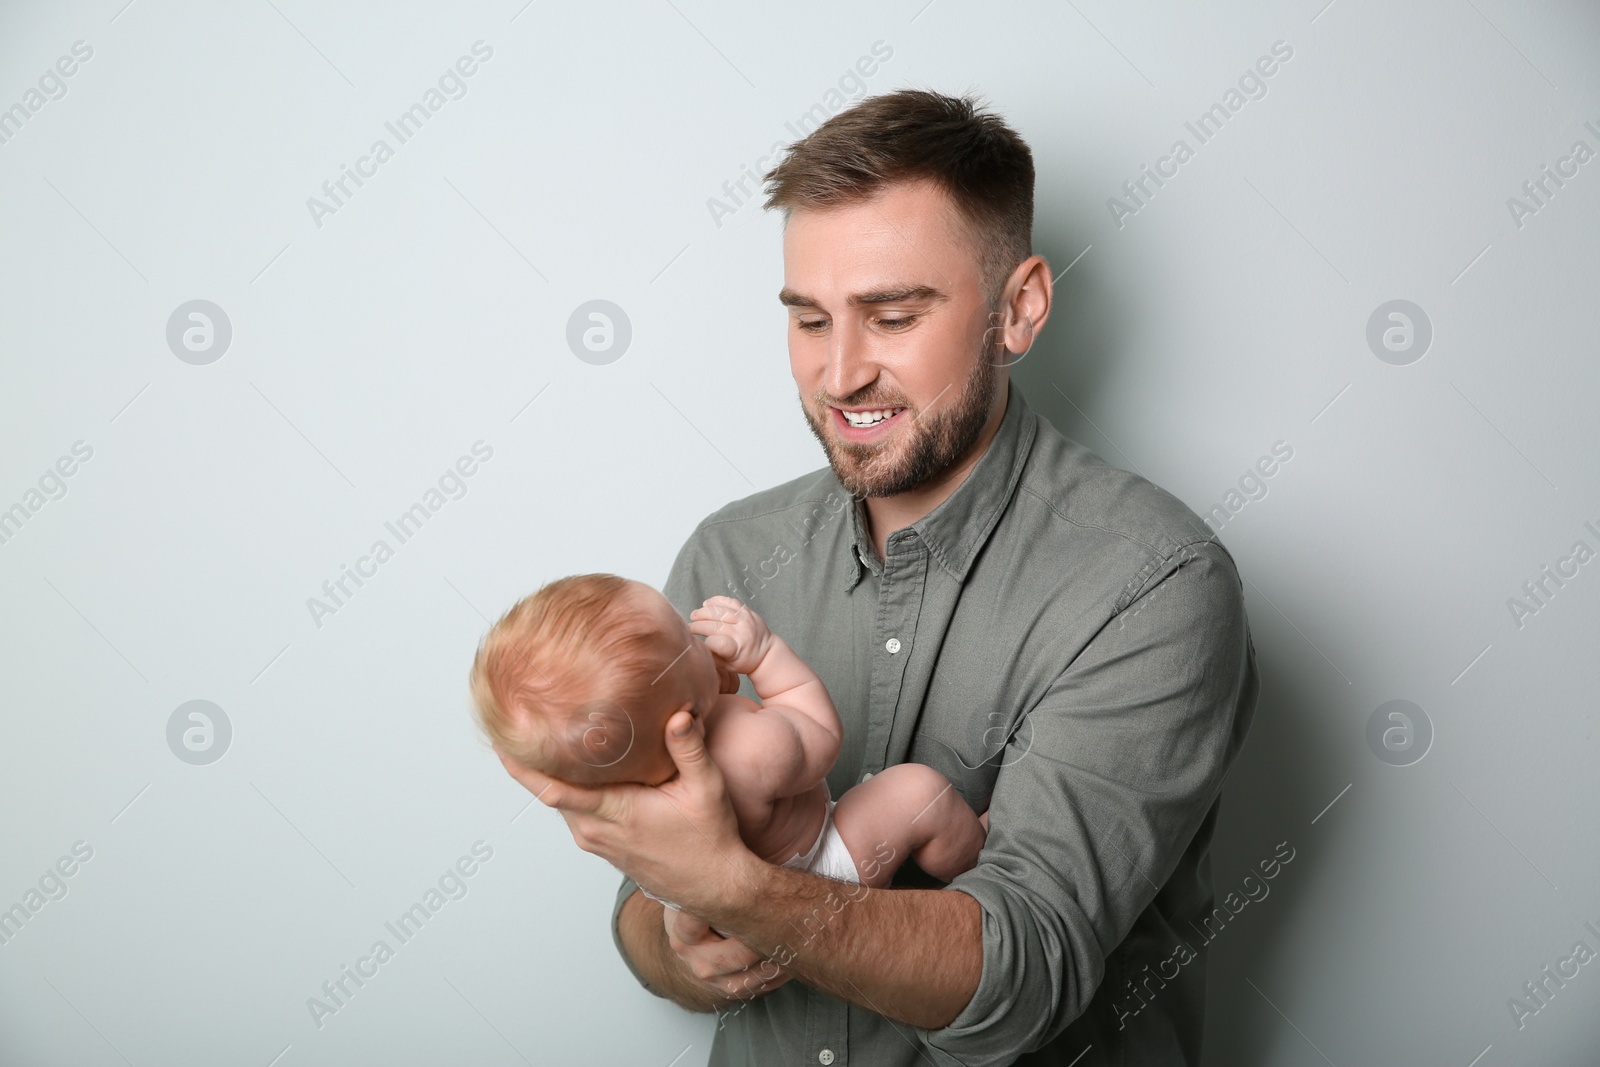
<point>893,645</point>
<point>864,777</point>
<point>825,1056</point>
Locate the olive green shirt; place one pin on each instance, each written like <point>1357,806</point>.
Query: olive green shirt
<point>1067,643</point>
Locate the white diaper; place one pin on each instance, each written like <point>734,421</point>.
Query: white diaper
<point>828,855</point>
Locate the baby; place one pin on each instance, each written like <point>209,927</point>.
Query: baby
<point>578,679</point>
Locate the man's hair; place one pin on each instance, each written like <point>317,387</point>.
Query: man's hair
<point>910,134</point>
<point>570,681</point>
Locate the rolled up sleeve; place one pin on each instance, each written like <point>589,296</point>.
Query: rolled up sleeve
<point>624,891</point>
<point>1102,786</point>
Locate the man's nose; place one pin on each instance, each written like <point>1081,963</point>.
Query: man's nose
<point>850,366</point>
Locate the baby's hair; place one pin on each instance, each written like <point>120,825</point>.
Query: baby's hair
<point>566,678</point>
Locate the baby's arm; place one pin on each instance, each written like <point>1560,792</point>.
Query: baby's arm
<point>800,733</point>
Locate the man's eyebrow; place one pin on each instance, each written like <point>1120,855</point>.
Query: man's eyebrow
<point>789,298</point>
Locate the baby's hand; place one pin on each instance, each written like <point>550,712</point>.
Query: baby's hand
<point>733,633</point>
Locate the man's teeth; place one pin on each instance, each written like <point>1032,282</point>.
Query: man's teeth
<point>869,418</point>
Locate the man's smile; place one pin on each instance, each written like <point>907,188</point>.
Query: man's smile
<point>865,424</point>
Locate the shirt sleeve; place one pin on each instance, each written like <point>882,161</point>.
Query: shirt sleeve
<point>1102,786</point>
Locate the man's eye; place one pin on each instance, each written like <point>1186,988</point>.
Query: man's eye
<point>893,325</point>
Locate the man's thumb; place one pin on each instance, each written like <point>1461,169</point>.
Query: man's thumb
<point>684,741</point>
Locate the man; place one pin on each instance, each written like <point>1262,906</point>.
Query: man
<point>1063,640</point>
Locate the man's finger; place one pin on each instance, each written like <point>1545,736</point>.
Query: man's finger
<point>754,980</point>
<point>552,792</point>
<point>540,785</point>
<point>687,745</point>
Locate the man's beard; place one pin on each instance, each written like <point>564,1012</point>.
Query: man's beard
<point>928,445</point>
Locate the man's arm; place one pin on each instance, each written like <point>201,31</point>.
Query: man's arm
<point>836,935</point>
<point>914,955</point>
<point>643,940</point>
<point>710,973</point>
<point>1094,805</point>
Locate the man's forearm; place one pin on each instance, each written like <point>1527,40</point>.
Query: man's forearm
<point>644,938</point>
<point>913,955</point>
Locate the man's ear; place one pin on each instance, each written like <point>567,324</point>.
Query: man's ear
<point>1025,310</point>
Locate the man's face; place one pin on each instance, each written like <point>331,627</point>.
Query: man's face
<point>887,314</point>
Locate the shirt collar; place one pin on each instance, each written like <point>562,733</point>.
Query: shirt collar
<point>956,529</point>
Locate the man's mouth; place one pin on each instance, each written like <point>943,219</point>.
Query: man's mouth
<point>866,422</point>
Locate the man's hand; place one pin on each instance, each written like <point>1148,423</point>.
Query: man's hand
<point>734,634</point>
<point>679,839</point>
<point>724,964</point>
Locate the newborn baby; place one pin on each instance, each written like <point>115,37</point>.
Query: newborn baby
<point>577,681</point>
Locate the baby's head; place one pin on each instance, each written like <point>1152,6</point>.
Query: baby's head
<point>578,679</point>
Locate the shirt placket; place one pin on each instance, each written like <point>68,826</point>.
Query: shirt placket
<point>900,589</point>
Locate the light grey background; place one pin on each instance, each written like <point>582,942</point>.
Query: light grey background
<point>430,312</point>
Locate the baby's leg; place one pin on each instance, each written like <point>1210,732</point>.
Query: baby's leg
<point>908,810</point>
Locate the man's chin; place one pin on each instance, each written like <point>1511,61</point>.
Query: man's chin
<point>849,460</point>
<point>858,484</point>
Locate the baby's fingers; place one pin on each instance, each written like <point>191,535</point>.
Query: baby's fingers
<point>708,627</point>
<point>722,646</point>
<point>720,607</point>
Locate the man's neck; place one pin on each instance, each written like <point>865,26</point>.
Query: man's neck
<point>886,514</point>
